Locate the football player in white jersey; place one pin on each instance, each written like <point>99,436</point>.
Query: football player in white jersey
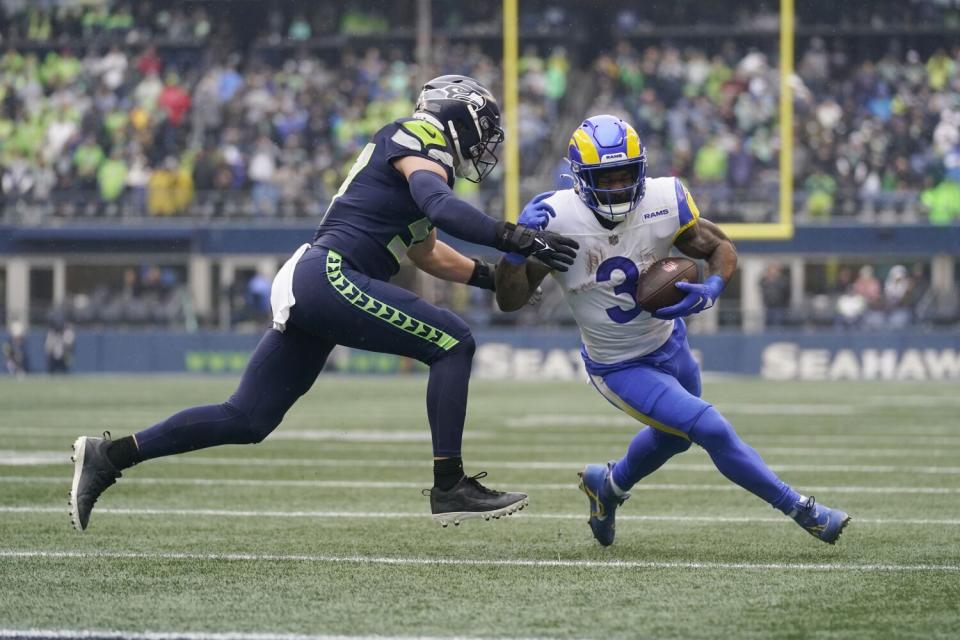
<point>641,362</point>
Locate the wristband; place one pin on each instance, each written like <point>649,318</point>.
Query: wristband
<point>482,276</point>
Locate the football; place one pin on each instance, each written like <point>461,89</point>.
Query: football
<point>656,289</point>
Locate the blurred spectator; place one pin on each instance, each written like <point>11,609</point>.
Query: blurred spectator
<point>149,63</point>
<point>249,301</point>
<point>138,177</point>
<point>867,285</point>
<point>258,294</point>
<point>174,100</point>
<point>87,159</point>
<point>850,308</point>
<point>262,172</point>
<point>15,350</point>
<point>775,292</point>
<point>820,189</point>
<point>170,189</point>
<point>710,165</point>
<point>58,347</point>
<point>299,28</point>
<point>112,178</point>
<point>942,202</point>
<point>896,297</point>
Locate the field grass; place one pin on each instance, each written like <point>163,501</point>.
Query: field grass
<point>322,531</point>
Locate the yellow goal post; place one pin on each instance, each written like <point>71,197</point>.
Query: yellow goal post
<point>781,229</point>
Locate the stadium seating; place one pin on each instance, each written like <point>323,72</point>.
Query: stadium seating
<point>109,116</point>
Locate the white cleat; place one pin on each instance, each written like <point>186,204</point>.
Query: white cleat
<point>456,517</point>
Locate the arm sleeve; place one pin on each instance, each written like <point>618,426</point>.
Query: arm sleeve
<point>450,213</point>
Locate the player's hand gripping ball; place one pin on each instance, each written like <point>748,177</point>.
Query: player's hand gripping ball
<point>669,289</point>
<point>657,286</point>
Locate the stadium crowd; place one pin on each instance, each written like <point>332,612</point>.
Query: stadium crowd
<point>261,134</point>
<point>273,130</point>
<point>165,109</point>
<point>870,137</point>
<point>857,297</point>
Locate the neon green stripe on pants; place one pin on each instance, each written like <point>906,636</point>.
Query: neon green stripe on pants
<point>379,309</point>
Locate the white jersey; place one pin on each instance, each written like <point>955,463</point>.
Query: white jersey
<point>601,284</point>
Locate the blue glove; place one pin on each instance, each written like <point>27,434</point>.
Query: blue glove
<point>535,215</point>
<point>699,296</point>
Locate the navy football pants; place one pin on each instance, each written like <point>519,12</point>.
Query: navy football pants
<point>334,305</point>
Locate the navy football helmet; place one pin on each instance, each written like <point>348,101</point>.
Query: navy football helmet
<point>469,115</point>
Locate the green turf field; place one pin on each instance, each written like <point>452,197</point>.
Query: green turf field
<point>322,531</point>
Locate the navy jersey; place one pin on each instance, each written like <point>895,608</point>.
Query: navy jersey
<point>373,219</point>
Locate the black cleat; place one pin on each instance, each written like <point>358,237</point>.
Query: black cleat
<point>470,499</point>
<point>92,474</point>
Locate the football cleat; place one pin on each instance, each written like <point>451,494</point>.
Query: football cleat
<point>93,473</point>
<point>820,521</point>
<point>469,499</point>
<point>595,482</point>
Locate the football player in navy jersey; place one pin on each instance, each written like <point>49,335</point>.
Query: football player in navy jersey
<point>335,291</point>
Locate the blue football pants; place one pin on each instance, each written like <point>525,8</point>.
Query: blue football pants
<point>666,396</point>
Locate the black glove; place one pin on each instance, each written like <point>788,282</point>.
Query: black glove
<point>483,276</point>
<point>552,249</point>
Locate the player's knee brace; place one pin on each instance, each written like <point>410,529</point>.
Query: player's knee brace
<point>712,431</point>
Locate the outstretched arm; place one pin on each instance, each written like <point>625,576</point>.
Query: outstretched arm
<point>429,188</point>
<point>433,196</point>
<point>443,261</point>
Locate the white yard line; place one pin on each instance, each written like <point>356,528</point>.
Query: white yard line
<point>72,634</point>
<point>548,465</point>
<point>40,458</point>
<point>738,408</point>
<point>483,562</point>
<point>912,400</point>
<point>527,486</point>
<point>488,445</point>
<point>613,430</point>
<point>385,515</point>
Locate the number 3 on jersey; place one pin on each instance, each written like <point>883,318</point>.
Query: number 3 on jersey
<point>631,275</point>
